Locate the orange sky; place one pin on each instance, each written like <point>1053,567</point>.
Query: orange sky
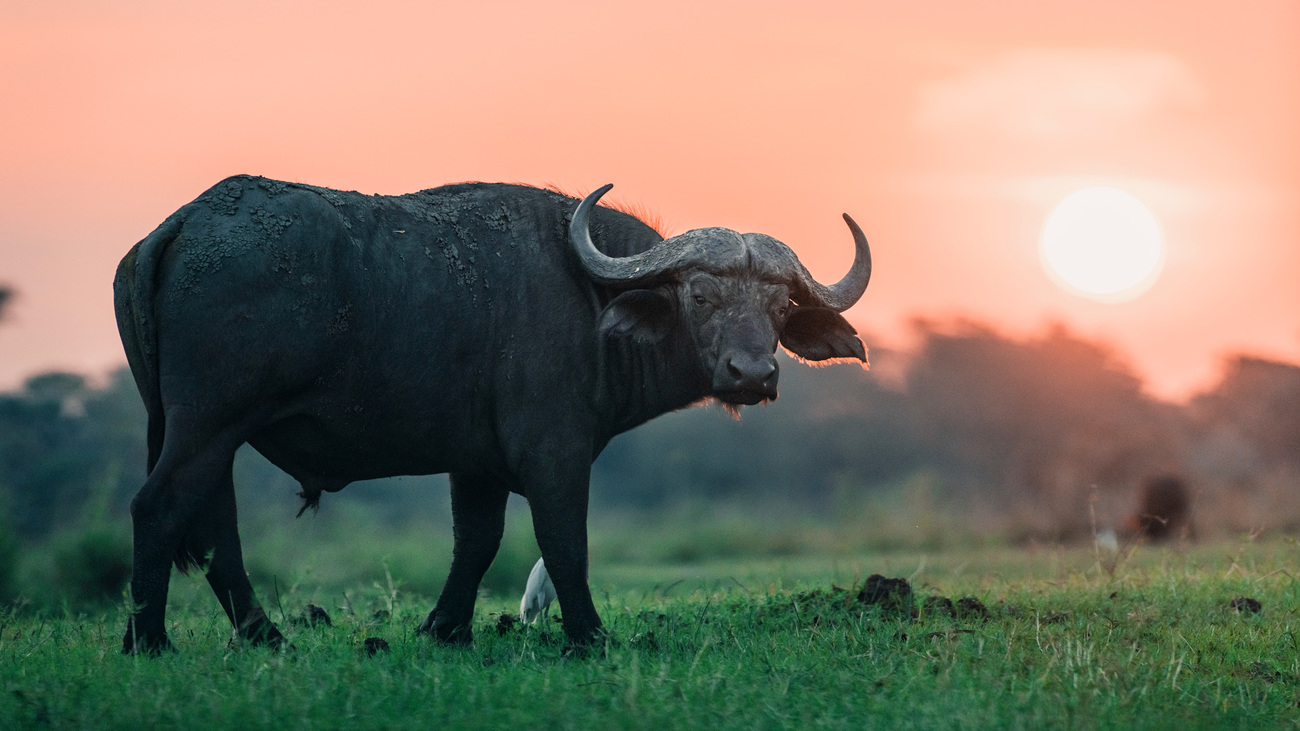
<point>947,129</point>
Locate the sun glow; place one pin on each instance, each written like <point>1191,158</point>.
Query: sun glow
<point>1104,244</point>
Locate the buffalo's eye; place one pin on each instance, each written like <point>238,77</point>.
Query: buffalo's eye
<point>784,309</point>
<point>701,300</point>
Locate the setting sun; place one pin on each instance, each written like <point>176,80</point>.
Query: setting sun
<point>1104,244</point>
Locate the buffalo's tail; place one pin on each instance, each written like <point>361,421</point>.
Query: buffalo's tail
<point>133,301</point>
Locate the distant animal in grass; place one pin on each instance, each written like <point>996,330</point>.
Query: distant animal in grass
<point>538,594</point>
<point>1165,511</point>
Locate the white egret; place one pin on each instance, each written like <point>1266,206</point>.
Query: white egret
<point>538,594</point>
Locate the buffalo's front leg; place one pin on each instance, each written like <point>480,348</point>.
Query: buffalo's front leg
<point>478,511</point>
<point>557,495</point>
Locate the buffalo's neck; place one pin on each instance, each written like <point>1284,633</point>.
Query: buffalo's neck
<point>640,381</point>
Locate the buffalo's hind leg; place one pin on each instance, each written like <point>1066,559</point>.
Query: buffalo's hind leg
<point>180,484</point>
<point>151,562</point>
<point>185,514</point>
<point>212,543</point>
<point>478,510</point>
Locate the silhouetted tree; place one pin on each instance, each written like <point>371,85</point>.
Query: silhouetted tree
<point>1026,426</point>
<point>1259,400</point>
<point>62,443</point>
<point>1043,419</point>
<point>830,427</point>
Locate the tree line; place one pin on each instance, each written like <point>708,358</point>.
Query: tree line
<point>1045,436</point>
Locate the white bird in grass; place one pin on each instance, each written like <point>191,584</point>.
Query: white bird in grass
<point>1107,541</point>
<point>538,594</point>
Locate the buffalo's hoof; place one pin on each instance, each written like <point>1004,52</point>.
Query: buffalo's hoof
<point>276,644</point>
<point>266,636</point>
<point>588,643</point>
<point>445,631</point>
<point>258,629</point>
<point>151,646</point>
<point>583,652</point>
<point>283,646</point>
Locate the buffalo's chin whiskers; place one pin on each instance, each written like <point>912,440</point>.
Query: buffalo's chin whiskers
<point>733,410</point>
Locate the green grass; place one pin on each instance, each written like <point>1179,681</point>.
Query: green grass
<point>730,643</point>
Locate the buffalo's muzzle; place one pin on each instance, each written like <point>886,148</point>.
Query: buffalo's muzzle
<point>741,378</point>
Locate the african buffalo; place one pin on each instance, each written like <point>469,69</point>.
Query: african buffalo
<point>500,333</point>
<point>1166,509</point>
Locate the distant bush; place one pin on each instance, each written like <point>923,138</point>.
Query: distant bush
<point>8,553</point>
<point>93,566</point>
<point>8,561</point>
<point>970,435</point>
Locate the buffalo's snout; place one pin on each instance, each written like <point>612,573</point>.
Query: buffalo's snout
<point>743,378</point>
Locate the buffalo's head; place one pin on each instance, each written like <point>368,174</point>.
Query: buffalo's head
<point>737,295</point>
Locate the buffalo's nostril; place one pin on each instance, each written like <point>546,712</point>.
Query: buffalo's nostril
<point>745,369</point>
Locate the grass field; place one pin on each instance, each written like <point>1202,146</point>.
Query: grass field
<point>768,642</point>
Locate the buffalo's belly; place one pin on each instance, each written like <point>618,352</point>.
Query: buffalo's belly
<point>332,450</point>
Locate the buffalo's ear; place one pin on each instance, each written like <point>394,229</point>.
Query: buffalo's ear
<point>643,314</point>
<point>819,333</point>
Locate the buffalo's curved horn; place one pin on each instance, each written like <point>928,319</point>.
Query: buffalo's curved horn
<point>623,270</point>
<point>844,293</point>
<point>593,260</point>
